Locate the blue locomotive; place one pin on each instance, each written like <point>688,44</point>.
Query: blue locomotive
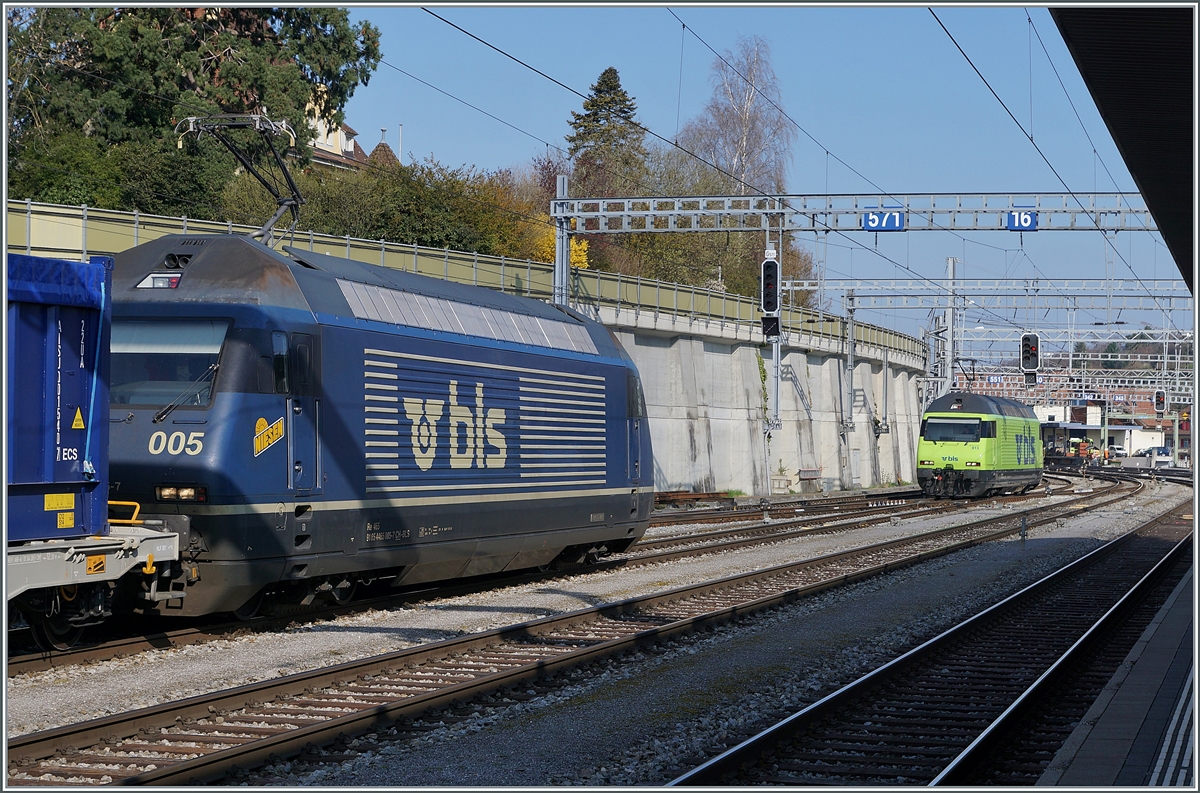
<point>307,424</point>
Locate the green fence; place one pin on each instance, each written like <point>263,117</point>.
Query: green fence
<point>73,232</point>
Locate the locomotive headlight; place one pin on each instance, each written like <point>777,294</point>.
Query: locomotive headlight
<point>181,493</point>
<point>160,281</point>
<point>926,462</point>
<point>972,465</point>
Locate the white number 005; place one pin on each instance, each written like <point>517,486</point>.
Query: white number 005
<point>159,442</point>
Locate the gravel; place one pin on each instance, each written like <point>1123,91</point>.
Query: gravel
<point>638,721</point>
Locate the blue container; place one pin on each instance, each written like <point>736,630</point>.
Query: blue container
<point>59,320</point>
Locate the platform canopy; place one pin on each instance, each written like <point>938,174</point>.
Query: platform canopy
<point>1137,62</point>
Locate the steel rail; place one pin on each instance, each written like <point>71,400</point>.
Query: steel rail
<point>712,542</point>
<point>719,768</point>
<point>711,515</point>
<point>955,773</point>
<point>566,640</point>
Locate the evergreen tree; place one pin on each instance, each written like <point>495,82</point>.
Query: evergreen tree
<point>107,84</point>
<point>607,146</point>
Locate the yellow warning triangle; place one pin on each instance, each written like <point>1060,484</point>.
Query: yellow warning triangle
<point>77,424</point>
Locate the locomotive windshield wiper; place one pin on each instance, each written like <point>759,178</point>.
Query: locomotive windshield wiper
<point>191,389</point>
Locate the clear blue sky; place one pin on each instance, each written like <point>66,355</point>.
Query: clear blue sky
<point>883,89</point>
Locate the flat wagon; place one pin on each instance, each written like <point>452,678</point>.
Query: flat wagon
<point>64,560</point>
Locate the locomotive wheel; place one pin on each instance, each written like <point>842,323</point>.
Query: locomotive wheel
<point>249,610</point>
<point>54,637</point>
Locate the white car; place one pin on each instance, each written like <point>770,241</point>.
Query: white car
<point>1117,451</point>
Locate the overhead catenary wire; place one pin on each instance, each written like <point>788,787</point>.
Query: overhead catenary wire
<point>526,217</point>
<point>366,165</point>
<point>684,150</point>
<point>1041,153</point>
<point>829,154</point>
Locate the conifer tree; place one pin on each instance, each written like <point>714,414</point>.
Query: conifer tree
<point>607,146</point>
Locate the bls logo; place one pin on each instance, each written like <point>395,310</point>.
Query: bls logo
<point>472,431</point>
<point>1026,449</point>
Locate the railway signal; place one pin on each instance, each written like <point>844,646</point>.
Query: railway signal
<point>1160,401</point>
<point>1030,360</point>
<point>770,285</point>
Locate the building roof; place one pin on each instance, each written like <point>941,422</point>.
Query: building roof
<point>324,157</point>
<point>382,153</point>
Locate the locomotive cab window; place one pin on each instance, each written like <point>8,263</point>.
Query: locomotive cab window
<point>635,402</point>
<point>952,430</point>
<point>279,351</point>
<point>154,361</point>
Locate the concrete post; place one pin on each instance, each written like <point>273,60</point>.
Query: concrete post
<point>883,424</point>
<point>848,388</point>
<point>1175,443</point>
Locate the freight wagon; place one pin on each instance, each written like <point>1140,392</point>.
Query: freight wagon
<point>64,562</point>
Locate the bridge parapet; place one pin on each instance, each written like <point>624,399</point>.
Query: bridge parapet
<point>65,231</point>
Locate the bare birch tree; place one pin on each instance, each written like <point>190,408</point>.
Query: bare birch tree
<point>743,129</point>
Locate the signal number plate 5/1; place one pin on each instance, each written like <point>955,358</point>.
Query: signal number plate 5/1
<point>883,221</point>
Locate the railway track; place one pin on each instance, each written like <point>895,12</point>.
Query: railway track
<point>941,713</point>
<point>648,551</point>
<point>204,738</point>
<point>779,508</point>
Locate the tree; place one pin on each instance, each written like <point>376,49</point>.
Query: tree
<point>607,146</point>
<point>424,203</point>
<point>743,130</point>
<point>125,76</point>
<point>1112,348</point>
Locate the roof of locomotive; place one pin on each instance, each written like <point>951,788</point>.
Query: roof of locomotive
<point>211,268</point>
<point>962,402</point>
<point>226,268</point>
<point>323,269</point>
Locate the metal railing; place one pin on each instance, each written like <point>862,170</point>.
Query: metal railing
<point>65,231</point>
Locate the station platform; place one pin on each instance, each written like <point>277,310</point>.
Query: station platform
<point>1141,731</point>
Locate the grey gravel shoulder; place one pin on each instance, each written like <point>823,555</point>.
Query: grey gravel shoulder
<point>658,712</point>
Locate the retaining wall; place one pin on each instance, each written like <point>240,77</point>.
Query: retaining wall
<point>701,355</point>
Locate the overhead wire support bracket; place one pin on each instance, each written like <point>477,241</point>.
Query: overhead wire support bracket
<point>1014,212</point>
<point>215,124</point>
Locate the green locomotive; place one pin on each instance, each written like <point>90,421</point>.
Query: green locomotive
<point>973,445</point>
